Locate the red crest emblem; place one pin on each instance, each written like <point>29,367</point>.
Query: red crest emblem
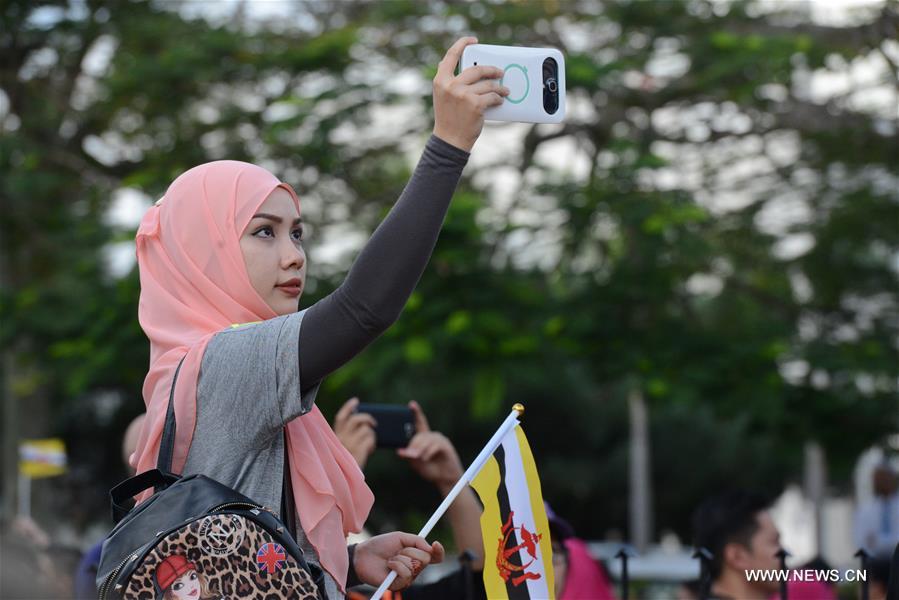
<point>507,569</point>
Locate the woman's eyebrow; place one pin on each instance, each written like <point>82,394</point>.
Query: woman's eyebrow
<point>276,218</point>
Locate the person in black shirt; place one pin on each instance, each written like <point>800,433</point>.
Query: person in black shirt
<point>737,529</point>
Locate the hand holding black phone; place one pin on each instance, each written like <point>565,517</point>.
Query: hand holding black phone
<point>395,424</point>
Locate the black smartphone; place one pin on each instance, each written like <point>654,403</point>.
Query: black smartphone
<point>396,423</point>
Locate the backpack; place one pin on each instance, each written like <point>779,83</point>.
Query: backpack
<point>200,536</point>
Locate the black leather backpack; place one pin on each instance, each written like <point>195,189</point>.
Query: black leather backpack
<point>195,537</point>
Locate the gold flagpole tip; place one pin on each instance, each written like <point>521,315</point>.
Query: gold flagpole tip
<point>519,408</point>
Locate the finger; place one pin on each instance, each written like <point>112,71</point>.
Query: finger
<point>423,558</point>
<point>410,540</point>
<point>433,448</point>
<point>420,440</point>
<point>362,420</point>
<point>404,573</point>
<point>491,99</point>
<point>417,567</point>
<point>345,411</point>
<point>403,560</point>
<point>363,437</point>
<point>437,553</point>
<point>410,453</point>
<point>421,421</point>
<point>489,85</point>
<point>447,66</point>
<point>419,443</point>
<point>413,448</point>
<point>475,74</point>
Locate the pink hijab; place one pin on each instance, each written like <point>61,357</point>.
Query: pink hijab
<point>194,284</point>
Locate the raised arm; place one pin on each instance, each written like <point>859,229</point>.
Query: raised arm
<point>387,270</point>
<point>435,459</point>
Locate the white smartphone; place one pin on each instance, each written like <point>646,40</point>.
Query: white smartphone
<point>535,77</point>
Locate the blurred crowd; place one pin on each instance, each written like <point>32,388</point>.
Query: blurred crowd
<point>733,533</point>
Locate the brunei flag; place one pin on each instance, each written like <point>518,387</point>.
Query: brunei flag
<point>518,560</point>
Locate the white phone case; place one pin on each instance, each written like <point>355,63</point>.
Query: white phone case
<point>524,77</point>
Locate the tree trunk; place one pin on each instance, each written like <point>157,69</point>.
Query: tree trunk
<point>815,476</point>
<point>10,452</point>
<point>640,473</point>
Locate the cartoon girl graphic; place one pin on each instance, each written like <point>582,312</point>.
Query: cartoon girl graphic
<point>179,579</point>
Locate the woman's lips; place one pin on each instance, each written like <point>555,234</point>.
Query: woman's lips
<point>292,287</point>
<point>290,290</point>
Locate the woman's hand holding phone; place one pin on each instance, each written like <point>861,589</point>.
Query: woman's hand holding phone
<point>356,431</point>
<point>460,100</point>
<point>431,454</point>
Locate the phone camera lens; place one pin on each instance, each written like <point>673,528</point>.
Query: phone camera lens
<point>550,86</point>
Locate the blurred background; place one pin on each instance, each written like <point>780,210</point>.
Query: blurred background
<point>691,284</point>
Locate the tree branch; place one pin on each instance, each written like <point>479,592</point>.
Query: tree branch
<point>859,37</point>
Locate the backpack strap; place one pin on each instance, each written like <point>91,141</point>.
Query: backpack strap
<point>167,443</point>
<point>167,450</point>
<point>120,496</point>
<point>288,507</point>
<point>159,478</point>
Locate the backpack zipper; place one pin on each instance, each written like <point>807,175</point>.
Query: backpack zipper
<point>105,588</point>
<point>230,504</point>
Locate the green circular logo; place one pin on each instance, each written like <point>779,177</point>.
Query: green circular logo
<point>527,82</point>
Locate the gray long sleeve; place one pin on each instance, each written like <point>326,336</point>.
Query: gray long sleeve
<point>388,268</point>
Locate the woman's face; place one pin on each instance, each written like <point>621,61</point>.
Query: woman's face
<point>186,587</point>
<point>273,252</point>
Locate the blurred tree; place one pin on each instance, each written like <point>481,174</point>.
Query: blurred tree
<point>710,225</point>
<point>103,96</point>
<point>707,225</point>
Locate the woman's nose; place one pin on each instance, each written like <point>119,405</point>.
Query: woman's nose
<point>292,256</point>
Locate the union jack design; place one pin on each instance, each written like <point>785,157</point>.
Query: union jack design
<point>271,557</point>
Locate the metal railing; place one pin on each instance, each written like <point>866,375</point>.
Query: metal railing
<point>705,557</point>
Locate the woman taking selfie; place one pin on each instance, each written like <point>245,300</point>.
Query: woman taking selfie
<point>222,269</point>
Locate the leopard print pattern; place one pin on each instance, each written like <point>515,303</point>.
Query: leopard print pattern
<point>234,558</point>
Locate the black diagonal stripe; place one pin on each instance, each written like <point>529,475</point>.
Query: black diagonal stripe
<point>520,591</point>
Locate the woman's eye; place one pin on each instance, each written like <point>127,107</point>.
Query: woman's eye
<point>297,235</point>
<point>264,230</point>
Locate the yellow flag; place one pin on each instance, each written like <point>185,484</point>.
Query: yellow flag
<point>518,561</point>
<point>42,458</point>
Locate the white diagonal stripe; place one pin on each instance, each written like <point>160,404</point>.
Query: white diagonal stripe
<point>520,502</point>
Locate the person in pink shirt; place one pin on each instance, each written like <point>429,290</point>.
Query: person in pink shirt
<point>577,574</point>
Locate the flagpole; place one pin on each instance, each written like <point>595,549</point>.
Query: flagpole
<point>510,422</point>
